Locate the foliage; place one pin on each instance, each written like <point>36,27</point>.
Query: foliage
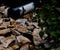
<point>51,17</point>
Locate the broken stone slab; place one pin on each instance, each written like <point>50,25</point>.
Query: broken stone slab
<point>36,37</point>
<point>21,29</point>
<point>2,8</point>
<point>4,31</point>
<point>10,48</point>
<point>1,21</point>
<point>22,21</point>
<point>6,24</point>
<point>15,46</point>
<point>5,12</point>
<point>1,47</point>
<point>30,27</point>
<point>23,40</point>
<point>33,23</point>
<point>25,47</point>
<point>2,27</point>
<point>15,32</point>
<point>6,41</point>
<point>1,37</point>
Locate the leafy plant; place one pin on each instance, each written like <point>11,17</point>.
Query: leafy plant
<point>51,16</point>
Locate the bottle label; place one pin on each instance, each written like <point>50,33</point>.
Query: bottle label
<point>25,8</point>
<point>28,7</point>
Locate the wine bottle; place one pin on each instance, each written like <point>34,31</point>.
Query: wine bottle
<point>20,11</point>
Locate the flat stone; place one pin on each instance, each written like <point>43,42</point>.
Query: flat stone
<point>6,41</point>
<point>23,40</point>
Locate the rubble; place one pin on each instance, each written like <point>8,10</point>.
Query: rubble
<point>37,39</point>
<point>15,46</point>
<point>1,47</point>
<point>25,47</point>
<point>5,31</point>
<point>23,32</point>
<point>23,40</point>
<point>30,27</point>
<point>33,23</point>
<point>6,41</point>
<point>10,48</point>
<point>1,37</point>
<point>21,28</point>
<point>2,8</point>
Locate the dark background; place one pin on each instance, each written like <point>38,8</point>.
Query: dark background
<point>15,3</point>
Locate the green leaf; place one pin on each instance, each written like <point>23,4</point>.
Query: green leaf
<point>41,14</point>
<point>51,21</point>
<point>41,34</point>
<point>49,7</point>
<point>53,33</point>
